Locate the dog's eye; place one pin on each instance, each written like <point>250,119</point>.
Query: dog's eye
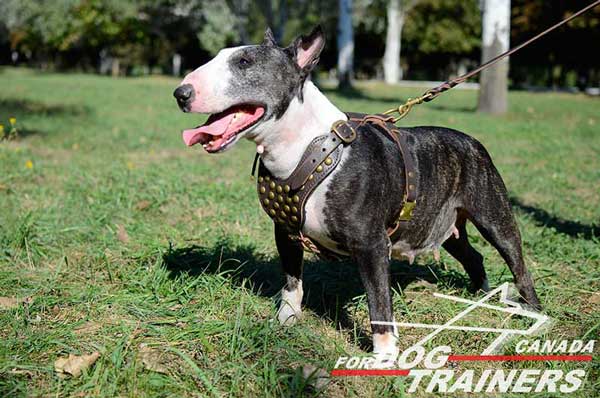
<point>244,62</point>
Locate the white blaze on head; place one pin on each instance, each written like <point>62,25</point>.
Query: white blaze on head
<point>210,82</point>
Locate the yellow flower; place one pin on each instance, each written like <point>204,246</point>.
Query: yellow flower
<point>12,121</point>
<point>1,128</point>
<point>29,164</point>
<point>130,165</point>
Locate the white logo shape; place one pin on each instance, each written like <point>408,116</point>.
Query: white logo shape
<point>513,308</point>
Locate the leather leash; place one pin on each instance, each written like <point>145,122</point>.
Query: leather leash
<point>433,93</point>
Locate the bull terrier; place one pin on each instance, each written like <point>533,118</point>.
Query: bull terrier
<point>264,93</point>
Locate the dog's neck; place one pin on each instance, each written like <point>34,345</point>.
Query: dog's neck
<point>284,140</point>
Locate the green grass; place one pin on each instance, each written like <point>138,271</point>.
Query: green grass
<point>196,277</point>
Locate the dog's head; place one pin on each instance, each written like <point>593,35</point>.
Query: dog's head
<point>243,87</point>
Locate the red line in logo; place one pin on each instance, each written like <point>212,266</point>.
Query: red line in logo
<point>370,372</point>
<point>500,358</point>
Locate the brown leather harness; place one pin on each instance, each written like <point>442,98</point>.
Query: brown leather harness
<point>284,199</point>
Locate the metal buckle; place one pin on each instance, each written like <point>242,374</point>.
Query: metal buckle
<point>407,210</point>
<point>345,140</point>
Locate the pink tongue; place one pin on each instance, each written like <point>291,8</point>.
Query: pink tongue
<point>217,127</point>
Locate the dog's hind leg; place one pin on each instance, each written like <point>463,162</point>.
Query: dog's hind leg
<point>374,268</point>
<point>459,247</point>
<point>497,225</point>
<point>291,255</point>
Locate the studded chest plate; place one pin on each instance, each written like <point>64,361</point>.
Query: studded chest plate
<point>284,199</point>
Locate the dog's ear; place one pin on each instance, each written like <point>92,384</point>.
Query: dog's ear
<point>269,39</point>
<point>306,49</point>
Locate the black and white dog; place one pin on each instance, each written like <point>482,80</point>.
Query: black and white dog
<point>263,93</point>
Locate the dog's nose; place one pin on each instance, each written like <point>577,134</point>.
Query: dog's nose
<point>184,94</point>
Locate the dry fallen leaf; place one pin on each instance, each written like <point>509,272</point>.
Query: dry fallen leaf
<point>21,372</point>
<point>7,303</point>
<point>153,359</point>
<point>316,377</point>
<point>88,328</point>
<point>122,234</point>
<point>75,364</point>
<point>143,205</point>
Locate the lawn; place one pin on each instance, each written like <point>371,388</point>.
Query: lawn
<point>116,238</point>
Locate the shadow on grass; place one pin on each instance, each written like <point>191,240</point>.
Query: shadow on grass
<point>567,227</point>
<point>328,286</point>
<point>23,109</point>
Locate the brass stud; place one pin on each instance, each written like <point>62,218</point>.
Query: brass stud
<point>280,198</point>
<point>281,221</point>
<point>286,208</point>
<point>328,161</point>
<point>288,199</point>
<point>296,199</point>
<point>267,178</point>
<point>271,195</point>
<point>310,177</point>
<point>411,174</point>
<point>279,189</point>
<point>294,209</point>
<point>276,205</point>
<point>319,168</point>
<point>266,201</point>
<point>294,219</point>
<point>262,190</point>
<point>302,188</point>
<point>411,187</point>
<point>272,212</point>
<point>272,185</point>
<point>286,188</point>
<point>282,214</point>
<point>260,179</point>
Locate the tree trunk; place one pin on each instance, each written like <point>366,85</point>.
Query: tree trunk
<point>345,44</point>
<point>493,91</point>
<point>115,67</point>
<point>392,72</point>
<point>283,16</point>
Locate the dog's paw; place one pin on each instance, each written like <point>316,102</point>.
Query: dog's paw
<point>385,350</point>
<point>287,315</point>
<point>291,306</point>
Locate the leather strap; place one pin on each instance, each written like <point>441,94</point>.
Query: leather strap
<point>284,199</point>
<point>316,153</point>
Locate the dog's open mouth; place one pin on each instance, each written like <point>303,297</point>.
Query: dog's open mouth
<point>221,129</point>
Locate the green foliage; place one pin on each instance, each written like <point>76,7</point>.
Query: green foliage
<point>444,26</point>
<point>219,27</point>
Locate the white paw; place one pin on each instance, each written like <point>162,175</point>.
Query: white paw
<point>385,350</point>
<point>290,307</point>
<point>287,315</point>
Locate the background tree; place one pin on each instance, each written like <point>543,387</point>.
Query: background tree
<point>493,91</point>
<point>345,44</point>
<point>396,12</point>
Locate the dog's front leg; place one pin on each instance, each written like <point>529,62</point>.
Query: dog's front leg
<point>374,268</point>
<point>291,257</point>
